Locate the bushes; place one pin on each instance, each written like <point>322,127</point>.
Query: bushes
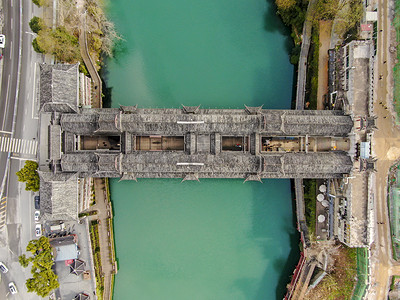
<point>95,242</point>
<point>310,198</point>
<point>40,2</point>
<point>36,24</point>
<point>43,280</point>
<point>30,176</point>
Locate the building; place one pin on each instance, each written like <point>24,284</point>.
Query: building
<point>351,197</point>
<point>64,248</point>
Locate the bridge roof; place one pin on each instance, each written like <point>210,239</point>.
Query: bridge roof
<point>226,122</point>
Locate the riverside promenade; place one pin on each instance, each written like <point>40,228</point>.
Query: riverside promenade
<point>301,274</point>
<point>103,203</point>
<point>104,218</point>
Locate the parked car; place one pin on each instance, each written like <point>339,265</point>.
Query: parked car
<point>38,230</point>
<point>37,202</point>
<point>3,267</point>
<point>2,40</point>
<point>37,215</point>
<point>12,287</point>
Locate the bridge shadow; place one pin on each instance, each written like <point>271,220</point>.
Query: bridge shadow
<point>277,274</point>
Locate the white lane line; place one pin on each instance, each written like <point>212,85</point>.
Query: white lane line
<point>5,108</point>
<point>27,147</point>
<point>12,145</point>
<point>11,21</point>
<point>8,143</point>
<point>4,146</point>
<point>34,148</point>
<point>23,150</point>
<point>30,147</point>
<point>34,106</point>
<point>11,49</point>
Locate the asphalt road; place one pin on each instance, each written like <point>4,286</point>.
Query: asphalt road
<point>9,81</point>
<point>17,87</point>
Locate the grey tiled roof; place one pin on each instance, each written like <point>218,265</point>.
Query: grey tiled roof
<point>224,121</point>
<point>59,196</point>
<point>58,87</point>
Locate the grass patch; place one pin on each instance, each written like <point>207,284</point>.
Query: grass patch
<point>86,214</point>
<point>339,283</point>
<point>94,239</point>
<point>310,198</point>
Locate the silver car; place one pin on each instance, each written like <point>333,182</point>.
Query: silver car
<point>12,287</point>
<point>38,230</point>
<point>2,40</point>
<point>37,216</point>
<point>3,267</point>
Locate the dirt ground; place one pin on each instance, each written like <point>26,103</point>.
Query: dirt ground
<point>324,40</point>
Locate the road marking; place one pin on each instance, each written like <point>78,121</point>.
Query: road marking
<point>8,142</point>
<point>11,48</point>
<point>11,22</point>
<point>19,145</point>
<point>34,105</point>
<point>23,146</point>
<point>30,147</point>
<point>5,108</point>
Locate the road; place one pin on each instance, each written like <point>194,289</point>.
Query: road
<point>386,143</point>
<point>18,86</point>
<point>9,81</point>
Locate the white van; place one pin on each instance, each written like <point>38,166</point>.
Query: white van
<point>59,227</point>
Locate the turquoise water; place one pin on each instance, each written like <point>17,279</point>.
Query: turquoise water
<point>217,239</point>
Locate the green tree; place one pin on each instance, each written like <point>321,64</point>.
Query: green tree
<point>285,4</point>
<point>36,24</point>
<point>36,46</point>
<point>59,42</point>
<point>30,176</point>
<point>23,260</point>
<point>42,283</point>
<point>40,2</point>
<point>43,279</point>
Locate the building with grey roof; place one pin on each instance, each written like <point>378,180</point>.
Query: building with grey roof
<point>130,143</point>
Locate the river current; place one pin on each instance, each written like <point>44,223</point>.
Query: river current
<point>213,239</point>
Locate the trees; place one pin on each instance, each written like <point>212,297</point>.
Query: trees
<point>43,280</point>
<point>30,176</point>
<point>59,43</point>
<point>40,2</point>
<point>285,4</point>
<point>36,24</point>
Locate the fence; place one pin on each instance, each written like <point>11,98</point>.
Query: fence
<point>396,69</point>
<point>362,274</point>
<point>394,209</point>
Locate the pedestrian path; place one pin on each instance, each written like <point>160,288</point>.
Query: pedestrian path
<point>8,144</point>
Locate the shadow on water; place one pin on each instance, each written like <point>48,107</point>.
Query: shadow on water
<point>262,226</point>
<point>107,91</point>
<point>273,23</point>
<point>294,254</point>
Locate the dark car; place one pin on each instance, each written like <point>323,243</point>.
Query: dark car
<point>37,202</point>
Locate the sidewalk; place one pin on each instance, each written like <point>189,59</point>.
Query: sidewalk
<point>104,213</point>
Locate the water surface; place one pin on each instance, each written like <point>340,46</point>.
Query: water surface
<point>217,239</point>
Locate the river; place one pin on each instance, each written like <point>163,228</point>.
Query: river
<point>217,239</point>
